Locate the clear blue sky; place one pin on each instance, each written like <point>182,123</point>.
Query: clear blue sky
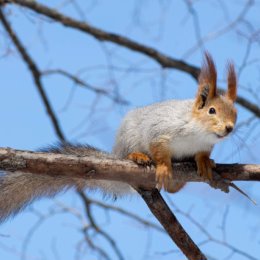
<point>169,27</point>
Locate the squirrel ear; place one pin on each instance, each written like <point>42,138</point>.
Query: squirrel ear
<point>232,82</point>
<point>207,81</point>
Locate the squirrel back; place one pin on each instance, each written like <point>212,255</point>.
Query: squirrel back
<point>171,119</point>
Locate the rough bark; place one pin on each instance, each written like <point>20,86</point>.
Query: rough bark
<point>162,212</point>
<point>143,179</point>
<point>89,167</point>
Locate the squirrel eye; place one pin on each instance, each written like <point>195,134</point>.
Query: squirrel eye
<point>212,110</point>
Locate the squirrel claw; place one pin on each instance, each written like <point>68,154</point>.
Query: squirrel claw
<point>140,158</point>
<point>163,177</point>
<point>212,163</point>
<point>205,166</point>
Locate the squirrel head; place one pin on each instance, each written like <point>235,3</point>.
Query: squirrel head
<point>216,113</point>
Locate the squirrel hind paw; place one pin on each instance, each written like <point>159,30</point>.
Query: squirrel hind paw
<point>205,165</point>
<point>204,168</point>
<point>175,186</point>
<point>164,178</point>
<point>140,159</point>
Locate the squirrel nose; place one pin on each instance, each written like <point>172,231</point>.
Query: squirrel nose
<point>229,128</point>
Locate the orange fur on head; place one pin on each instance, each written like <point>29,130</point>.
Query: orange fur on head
<point>207,81</point>
<point>221,122</point>
<point>232,82</point>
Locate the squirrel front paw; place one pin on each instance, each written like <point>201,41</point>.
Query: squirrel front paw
<point>140,159</point>
<point>204,165</point>
<point>164,177</point>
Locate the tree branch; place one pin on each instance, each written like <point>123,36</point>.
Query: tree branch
<point>35,73</point>
<point>82,83</point>
<point>162,212</point>
<point>109,168</point>
<point>164,60</point>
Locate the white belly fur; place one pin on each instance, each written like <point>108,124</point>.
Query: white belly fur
<point>188,146</point>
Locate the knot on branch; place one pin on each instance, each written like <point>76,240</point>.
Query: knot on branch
<point>219,183</point>
<point>12,164</point>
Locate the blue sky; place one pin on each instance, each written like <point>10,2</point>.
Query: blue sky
<point>168,27</point>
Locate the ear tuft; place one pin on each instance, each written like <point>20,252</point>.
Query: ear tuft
<point>207,82</point>
<point>203,96</point>
<point>208,75</point>
<point>232,82</point>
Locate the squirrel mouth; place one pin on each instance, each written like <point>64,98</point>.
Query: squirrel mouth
<point>220,136</point>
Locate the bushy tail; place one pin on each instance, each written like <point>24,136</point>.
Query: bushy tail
<point>18,189</point>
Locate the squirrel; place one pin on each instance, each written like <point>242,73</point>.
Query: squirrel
<point>181,129</point>
<point>157,133</point>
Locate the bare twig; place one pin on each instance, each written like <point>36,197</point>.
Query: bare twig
<point>210,238</point>
<point>164,60</point>
<point>35,73</point>
<point>220,31</point>
<point>82,83</point>
<point>127,214</point>
<point>94,225</point>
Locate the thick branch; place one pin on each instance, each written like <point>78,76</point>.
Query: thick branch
<point>89,167</point>
<point>109,168</point>
<point>160,209</point>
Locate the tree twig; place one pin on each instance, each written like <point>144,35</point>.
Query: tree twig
<point>94,225</point>
<point>35,73</point>
<point>84,84</point>
<point>128,214</point>
<point>164,60</point>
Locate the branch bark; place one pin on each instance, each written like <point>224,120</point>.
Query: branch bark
<point>90,167</point>
<point>162,212</point>
<point>143,179</point>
